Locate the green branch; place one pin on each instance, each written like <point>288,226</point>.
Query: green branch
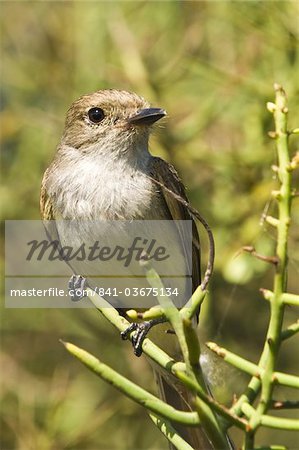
<point>264,376</point>
<point>170,433</point>
<point>271,447</point>
<point>290,331</point>
<point>160,357</point>
<point>171,312</point>
<point>148,347</point>
<point>190,349</point>
<point>251,368</point>
<point>131,389</point>
<point>152,313</point>
<point>217,407</point>
<point>288,299</point>
<point>192,306</point>
<point>285,379</point>
<point>235,360</point>
<point>273,340</point>
<point>278,423</point>
<point>178,369</point>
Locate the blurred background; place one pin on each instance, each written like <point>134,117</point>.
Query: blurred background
<point>212,66</point>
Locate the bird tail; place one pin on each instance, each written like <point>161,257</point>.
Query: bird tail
<point>174,394</point>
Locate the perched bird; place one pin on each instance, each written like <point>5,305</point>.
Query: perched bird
<point>103,170</point>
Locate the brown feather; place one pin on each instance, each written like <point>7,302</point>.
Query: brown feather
<point>166,177</point>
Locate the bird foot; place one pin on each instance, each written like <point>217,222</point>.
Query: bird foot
<point>141,331</point>
<point>77,287</point>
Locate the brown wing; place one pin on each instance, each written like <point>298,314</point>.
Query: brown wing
<point>48,216</point>
<point>46,206</point>
<point>47,212</point>
<point>173,191</point>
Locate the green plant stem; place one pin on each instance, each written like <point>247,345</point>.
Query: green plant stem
<point>271,447</point>
<point>187,312</point>
<point>171,434</point>
<point>191,352</point>
<point>154,352</point>
<point>152,313</point>
<point>170,311</point>
<point>272,343</point>
<point>161,358</point>
<point>251,368</point>
<point>290,331</point>
<point>270,421</point>
<point>290,299</point>
<point>178,369</point>
<point>248,396</point>
<point>211,425</point>
<point>217,407</point>
<point>235,360</point>
<point>285,379</point>
<point>130,389</point>
<point>148,347</point>
<point>192,306</point>
<point>272,221</point>
<point>280,423</point>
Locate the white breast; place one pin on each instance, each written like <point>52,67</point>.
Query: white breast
<point>101,189</point>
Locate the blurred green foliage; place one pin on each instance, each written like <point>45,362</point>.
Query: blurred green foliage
<point>212,66</point>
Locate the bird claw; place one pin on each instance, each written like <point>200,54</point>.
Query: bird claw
<point>141,331</point>
<point>77,286</point>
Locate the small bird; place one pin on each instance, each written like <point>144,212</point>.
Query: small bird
<point>103,170</point>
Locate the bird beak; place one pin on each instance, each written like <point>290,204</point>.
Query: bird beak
<point>147,116</point>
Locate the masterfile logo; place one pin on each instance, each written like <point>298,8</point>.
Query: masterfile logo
<point>113,257</point>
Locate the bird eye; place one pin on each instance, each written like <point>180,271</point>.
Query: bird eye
<point>96,115</point>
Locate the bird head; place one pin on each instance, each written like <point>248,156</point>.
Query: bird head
<point>109,120</point>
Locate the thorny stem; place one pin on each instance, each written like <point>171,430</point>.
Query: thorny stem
<point>284,214</point>
<point>273,340</point>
